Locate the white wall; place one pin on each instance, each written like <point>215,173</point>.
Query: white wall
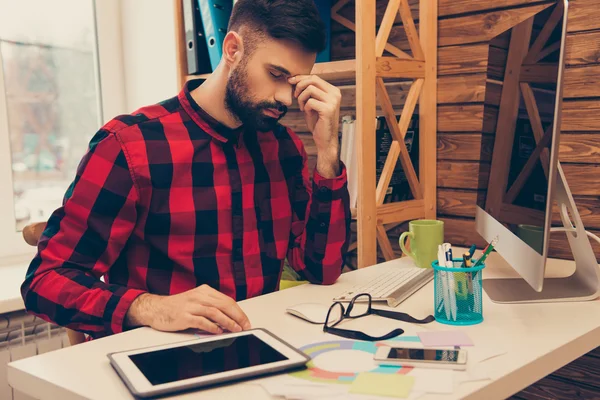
<point>148,29</point>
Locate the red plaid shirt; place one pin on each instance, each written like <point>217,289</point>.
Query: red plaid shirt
<point>167,199</point>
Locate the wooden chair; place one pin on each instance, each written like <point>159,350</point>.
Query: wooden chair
<point>31,234</point>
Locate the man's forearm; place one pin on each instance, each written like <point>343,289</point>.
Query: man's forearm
<point>142,311</point>
<point>328,163</point>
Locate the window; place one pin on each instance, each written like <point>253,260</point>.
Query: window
<point>58,60</point>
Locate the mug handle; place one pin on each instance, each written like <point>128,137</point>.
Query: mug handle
<point>402,240</point>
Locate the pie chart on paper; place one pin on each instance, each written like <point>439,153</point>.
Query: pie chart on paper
<point>340,361</point>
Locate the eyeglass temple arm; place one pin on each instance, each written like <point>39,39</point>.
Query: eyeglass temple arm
<point>403,316</point>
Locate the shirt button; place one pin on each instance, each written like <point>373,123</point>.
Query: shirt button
<point>323,189</point>
<point>322,224</point>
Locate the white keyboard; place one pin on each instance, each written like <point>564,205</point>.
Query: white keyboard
<point>393,286</point>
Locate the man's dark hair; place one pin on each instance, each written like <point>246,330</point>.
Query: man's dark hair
<point>295,20</point>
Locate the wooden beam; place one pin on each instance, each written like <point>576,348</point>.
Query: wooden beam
<point>544,34</point>
<point>518,184</point>
<point>400,211</point>
<point>388,171</point>
<point>352,26</point>
<point>338,6</point>
<point>539,73</point>
<point>428,125</point>
<point>365,117</point>
<point>180,44</point>
<point>507,116</point>
<point>409,106</point>
<point>391,67</point>
<point>411,31</point>
<point>386,26</point>
<point>512,214</point>
<point>398,135</point>
<point>387,107</point>
<point>536,124</point>
<point>384,243</point>
<point>483,27</point>
<point>409,170</point>
<point>546,51</point>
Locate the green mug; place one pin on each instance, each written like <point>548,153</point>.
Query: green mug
<point>425,237</point>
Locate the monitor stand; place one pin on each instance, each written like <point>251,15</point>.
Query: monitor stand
<point>583,285</point>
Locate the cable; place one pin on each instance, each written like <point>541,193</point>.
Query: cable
<point>591,235</point>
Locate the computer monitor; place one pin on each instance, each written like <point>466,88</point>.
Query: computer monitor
<point>524,179</point>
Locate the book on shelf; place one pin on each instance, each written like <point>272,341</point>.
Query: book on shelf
<point>399,189</point>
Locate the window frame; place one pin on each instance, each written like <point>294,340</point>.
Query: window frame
<point>109,64</point>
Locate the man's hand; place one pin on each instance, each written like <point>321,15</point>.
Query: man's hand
<point>320,102</point>
<point>202,308</point>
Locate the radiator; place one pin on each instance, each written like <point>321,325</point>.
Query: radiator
<point>21,336</point>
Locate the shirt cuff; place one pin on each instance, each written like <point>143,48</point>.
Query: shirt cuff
<point>337,183</point>
<point>118,315</point>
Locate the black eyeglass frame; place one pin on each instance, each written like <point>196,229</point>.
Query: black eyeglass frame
<point>357,335</point>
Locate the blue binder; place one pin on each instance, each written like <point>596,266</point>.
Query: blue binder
<point>215,18</point>
<point>324,7</point>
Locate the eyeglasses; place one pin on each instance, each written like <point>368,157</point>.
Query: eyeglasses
<point>360,306</point>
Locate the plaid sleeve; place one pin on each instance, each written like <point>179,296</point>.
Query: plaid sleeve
<point>320,226</point>
<point>81,242</point>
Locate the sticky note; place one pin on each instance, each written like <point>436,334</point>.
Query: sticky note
<point>391,385</point>
<point>444,338</point>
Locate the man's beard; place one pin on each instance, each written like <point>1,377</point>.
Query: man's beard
<point>240,104</point>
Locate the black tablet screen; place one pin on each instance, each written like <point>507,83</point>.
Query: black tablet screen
<point>200,359</point>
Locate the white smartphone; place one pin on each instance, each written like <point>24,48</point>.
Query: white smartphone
<point>424,358</point>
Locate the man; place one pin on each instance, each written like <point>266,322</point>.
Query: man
<point>186,206</point>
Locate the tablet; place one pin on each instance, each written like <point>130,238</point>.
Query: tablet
<point>208,361</point>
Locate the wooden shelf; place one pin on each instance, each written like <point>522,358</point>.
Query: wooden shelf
<point>335,70</point>
<point>330,71</point>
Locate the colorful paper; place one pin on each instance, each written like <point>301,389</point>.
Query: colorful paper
<point>390,385</point>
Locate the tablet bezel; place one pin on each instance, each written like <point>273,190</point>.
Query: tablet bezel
<point>140,386</point>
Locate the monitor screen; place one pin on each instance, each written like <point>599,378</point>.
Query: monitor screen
<point>201,359</point>
<point>519,110</point>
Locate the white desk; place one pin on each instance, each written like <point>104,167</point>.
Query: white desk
<point>539,338</point>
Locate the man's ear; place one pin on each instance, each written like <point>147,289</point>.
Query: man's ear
<point>233,49</point>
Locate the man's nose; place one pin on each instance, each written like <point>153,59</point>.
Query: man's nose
<point>284,95</point>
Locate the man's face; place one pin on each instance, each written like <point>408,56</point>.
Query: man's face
<point>258,92</point>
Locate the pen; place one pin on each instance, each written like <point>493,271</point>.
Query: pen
<point>472,251</point>
<point>447,248</point>
<point>486,253</point>
<point>467,264</point>
<point>445,286</point>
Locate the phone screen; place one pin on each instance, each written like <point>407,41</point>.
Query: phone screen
<point>423,355</point>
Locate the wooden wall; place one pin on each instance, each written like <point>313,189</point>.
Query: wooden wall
<point>465,30</point>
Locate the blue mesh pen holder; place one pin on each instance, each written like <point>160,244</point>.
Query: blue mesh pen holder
<point>458,293</point>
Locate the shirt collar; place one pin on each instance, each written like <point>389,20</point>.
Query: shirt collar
<point>205,121</point>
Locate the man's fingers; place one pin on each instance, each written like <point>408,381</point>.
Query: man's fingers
<point>215,315</point>
<point>303,81</point>
<point>311,92</point>
<point>204,324</point>
<point>316,105</point>
<point>211,297</point>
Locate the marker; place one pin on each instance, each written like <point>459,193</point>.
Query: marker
<point>472,251</point>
